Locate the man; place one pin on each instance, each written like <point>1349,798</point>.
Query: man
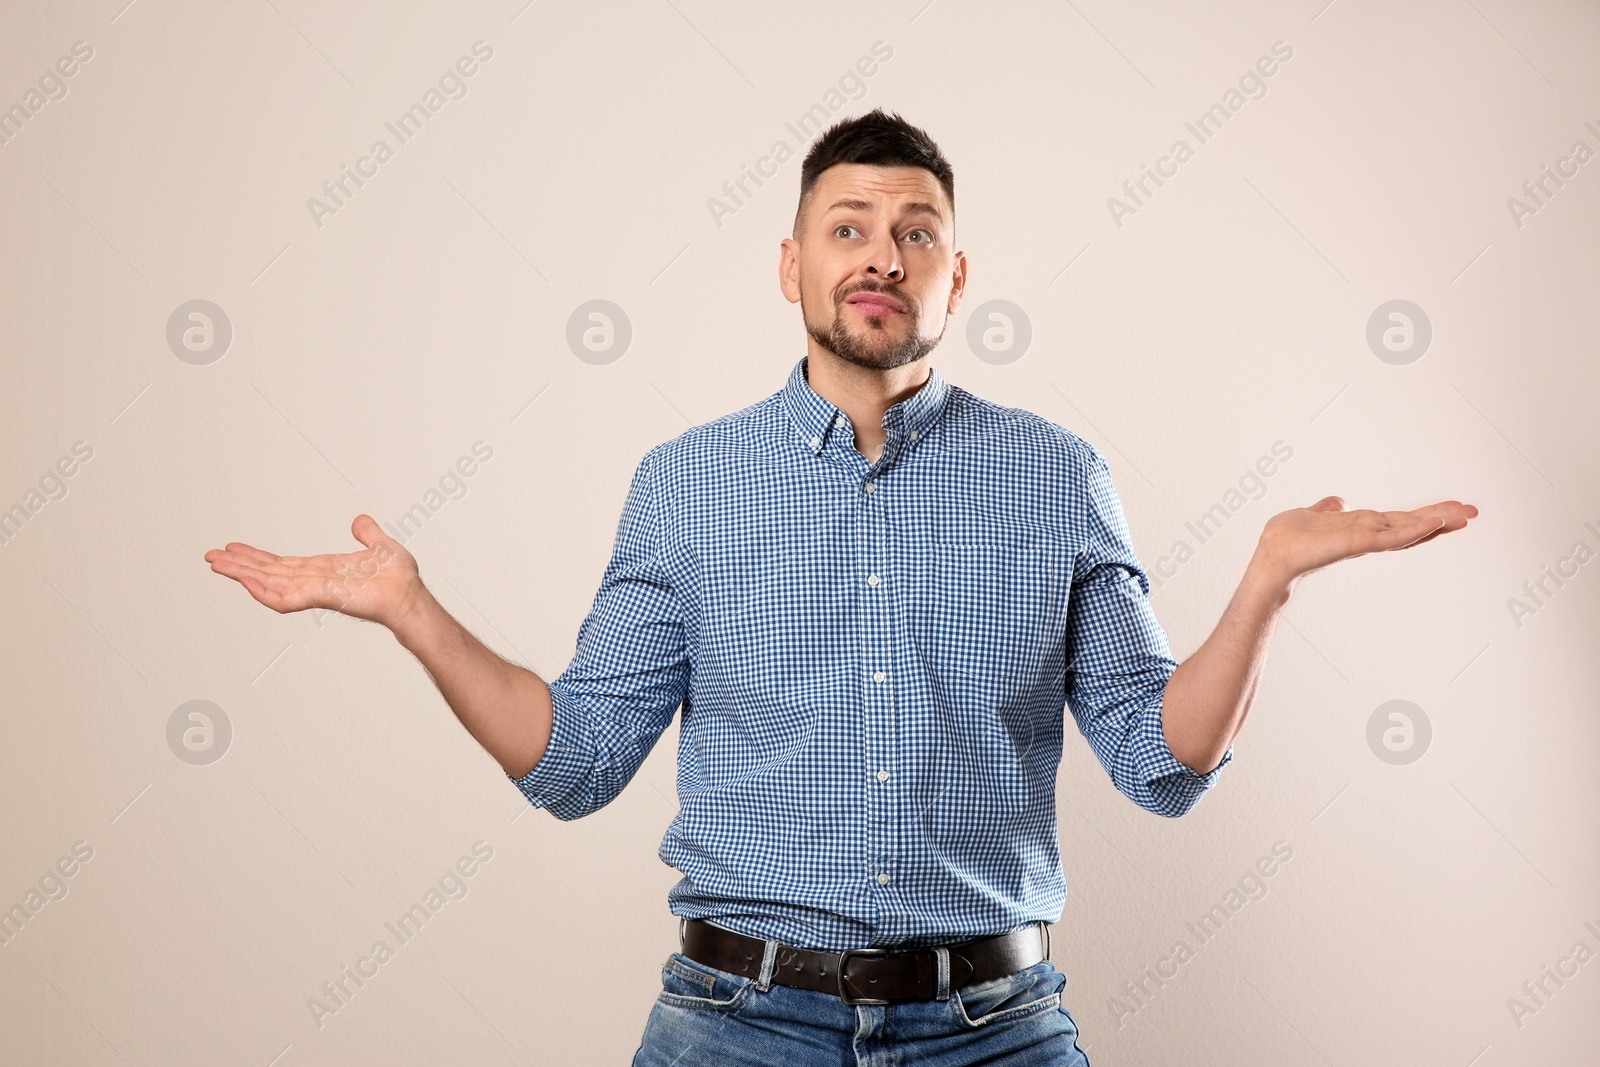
<point>871,593</point>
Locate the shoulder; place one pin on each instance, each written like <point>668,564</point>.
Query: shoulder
<point>742,435</point>
<point>972,420</point>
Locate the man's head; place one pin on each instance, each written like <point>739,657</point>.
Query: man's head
<point>872,260</point>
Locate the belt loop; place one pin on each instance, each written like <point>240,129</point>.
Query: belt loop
<point>768,965</point>
<point>944,971</point>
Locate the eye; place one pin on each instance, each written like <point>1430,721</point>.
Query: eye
<point>920,236</point>
<point>845,231</point>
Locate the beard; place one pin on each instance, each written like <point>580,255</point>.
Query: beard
<point>878,350</point>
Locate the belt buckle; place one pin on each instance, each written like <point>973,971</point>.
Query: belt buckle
<point>844,958</point>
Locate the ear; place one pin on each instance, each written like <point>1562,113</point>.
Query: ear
<point>789,269</point>
<point>958,283</point>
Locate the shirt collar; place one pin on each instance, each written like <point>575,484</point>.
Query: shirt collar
<point>814,416</point>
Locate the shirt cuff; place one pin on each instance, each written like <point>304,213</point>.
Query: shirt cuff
<point>1159,762</point>
<point>564,766</point>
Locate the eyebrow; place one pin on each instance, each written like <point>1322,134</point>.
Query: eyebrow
<point>916,207</point>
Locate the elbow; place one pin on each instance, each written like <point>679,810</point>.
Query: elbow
<point>569,807</point>
<point>571,781</point>
<point>1167,798</point>
<point>1174,809</point>
<point>1211,758</point>
<point>590,795</point>
<point>568,792</point>
<point>572,813</point>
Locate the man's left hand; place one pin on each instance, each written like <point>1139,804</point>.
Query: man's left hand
<point>1297,542</point>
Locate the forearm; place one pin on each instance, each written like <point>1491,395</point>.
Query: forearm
<point>1210,693</point>
<point>505,707</point>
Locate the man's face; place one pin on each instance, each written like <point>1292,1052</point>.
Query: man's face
<point>873,264</point>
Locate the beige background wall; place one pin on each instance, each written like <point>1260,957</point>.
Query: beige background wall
<point>372,347</point>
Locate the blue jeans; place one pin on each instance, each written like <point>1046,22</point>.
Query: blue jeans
<point>707,1017</point>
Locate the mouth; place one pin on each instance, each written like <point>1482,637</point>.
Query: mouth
<point>877,304</point>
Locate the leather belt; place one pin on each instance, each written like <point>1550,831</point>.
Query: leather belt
<point>867,975</point>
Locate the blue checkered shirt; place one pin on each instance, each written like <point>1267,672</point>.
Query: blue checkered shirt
<point>872,660</point>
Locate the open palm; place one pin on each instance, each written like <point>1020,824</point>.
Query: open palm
<point>1302,540</point>
<point>379,583</point>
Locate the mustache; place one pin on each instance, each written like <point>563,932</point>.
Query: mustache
<point>877,287</point>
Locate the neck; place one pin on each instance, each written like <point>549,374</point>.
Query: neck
<point>863,393</point>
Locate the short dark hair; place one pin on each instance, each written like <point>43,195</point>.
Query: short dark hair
<point>876,139</point>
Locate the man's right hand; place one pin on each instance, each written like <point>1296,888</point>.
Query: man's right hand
<point>379,584</point>
<point>507,707</point>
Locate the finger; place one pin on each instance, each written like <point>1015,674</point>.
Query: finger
<point>1425,539</point>
<point>250,552</point>
<point>1451,515</point>
<point>233,551</point>
<point>1454,510</point>
<point>277,591</point>
<point>262,561</point>
<point>243,553</point>
<point>1329,503</point>
<point>367,531</point>
<point>234,567</point>
<point>253,581</point>
<point>1428,534</point>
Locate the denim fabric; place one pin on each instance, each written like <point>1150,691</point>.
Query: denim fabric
<point>705,1017</point>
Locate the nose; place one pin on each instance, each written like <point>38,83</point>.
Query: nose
<point>884,259</point>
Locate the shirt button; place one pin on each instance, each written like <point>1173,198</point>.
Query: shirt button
<point>815,441</point>
<point>873,579</point>
<point>872,487</point>
<point>878,676</point>
<point>913,435</point>
<point>883,879</point>
<point>883,776</point>
<point>839,422</point>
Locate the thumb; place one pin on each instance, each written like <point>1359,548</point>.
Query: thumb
<point>1329,503</point>
<point>367,531</point>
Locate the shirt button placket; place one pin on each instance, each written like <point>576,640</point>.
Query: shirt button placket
<point>879,704</point>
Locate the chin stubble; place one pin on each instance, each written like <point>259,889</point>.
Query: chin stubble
<point>841,342</point>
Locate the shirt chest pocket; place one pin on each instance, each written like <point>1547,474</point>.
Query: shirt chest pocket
<point>991,621</point>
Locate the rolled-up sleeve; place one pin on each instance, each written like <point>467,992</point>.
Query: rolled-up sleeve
<point>628,676</point>
<point>1118,662</point>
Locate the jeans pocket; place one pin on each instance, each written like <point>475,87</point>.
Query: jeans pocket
<point>687,983</point>
<point>1015,996</point>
